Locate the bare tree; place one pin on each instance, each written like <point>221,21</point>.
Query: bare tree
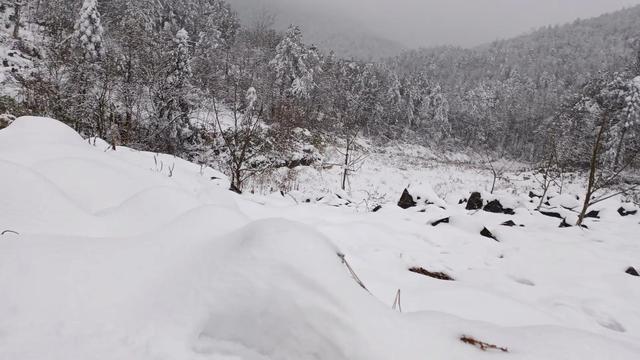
<point>551,172</point>
<point>242,139</point>
<point>613,105</point>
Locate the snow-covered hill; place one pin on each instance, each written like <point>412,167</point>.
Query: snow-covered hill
<point>131,255</point>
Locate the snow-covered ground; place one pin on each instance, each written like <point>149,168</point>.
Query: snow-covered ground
<point>132,255</point>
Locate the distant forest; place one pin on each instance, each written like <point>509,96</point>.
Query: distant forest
<point>184,77</point>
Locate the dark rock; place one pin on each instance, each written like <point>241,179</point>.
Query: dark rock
<point>474,202</point>
<point>406,200</point>
<point>565,224</point>
<point>377,208</point>
<point>494,207</point>
<point>509,223</point>
<point>551,214</point>
<point>594,214</point>
<point>282,193</point>
<point>547,203</point>
<point>533,195</point>
<point>308,201</point>
<point>624,212</point>
<point>435,275</point>
<point>441,221</point>
<point>632,271</point>
<point>508,211</point>
<point>462,201</point>
<point>5,63</point>
<point>486,233</point>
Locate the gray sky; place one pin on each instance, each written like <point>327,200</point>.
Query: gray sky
<point>457,22</point>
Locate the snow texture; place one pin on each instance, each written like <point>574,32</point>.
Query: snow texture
<point>113,256</point>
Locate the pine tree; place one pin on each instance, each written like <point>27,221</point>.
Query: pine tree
<point>293,76</point>
<point>88,31</point>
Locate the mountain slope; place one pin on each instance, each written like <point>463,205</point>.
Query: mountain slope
<point>571,52</point>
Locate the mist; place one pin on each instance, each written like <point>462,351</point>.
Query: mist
<point>422,23</point>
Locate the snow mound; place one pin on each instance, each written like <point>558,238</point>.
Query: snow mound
<point>132,255</point>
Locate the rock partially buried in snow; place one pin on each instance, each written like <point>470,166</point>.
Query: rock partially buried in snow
<point>494,206</point>
<point>441,221</point>
<point>632,271</point>
<point>552,214</point>
<point>625,212</point>
<point>475,201</point>
<point>406,200</point>
<point>420,195</point>
<point>593,214</point>
<point>509,223</point>
<point>486,233</point>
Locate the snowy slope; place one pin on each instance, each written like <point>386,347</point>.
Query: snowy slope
<point>131,255</point>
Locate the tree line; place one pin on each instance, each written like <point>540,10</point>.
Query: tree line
<point>186,78</point>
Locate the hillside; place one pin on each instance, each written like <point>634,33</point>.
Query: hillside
<point>571,53</point>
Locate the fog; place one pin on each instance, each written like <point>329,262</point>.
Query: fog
<point>416,23</point>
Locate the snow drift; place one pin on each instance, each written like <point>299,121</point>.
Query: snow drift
<point>111,257</point>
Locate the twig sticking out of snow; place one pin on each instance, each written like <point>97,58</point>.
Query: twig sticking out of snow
<point>353,273</point>
<point>396,302</point>
<point>481,345</point>
<point>9,232</point>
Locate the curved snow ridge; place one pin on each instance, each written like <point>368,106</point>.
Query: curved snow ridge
<point>29,202</point>
<point>38,131</point>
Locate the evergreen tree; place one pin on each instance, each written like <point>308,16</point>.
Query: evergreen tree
<point>88,31</point>
<point>293,76</point>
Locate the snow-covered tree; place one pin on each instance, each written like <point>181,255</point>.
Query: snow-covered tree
<point>293,76</point>
<point>88,31</point>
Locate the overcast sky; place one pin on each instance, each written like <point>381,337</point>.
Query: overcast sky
<point>457,22</point>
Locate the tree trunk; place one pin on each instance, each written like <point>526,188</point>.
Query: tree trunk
<point>346,166</point>
<point>593,168</point>
<point>17,8</point>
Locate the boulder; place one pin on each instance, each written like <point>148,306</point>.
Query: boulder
<point>565,224</point>
<point>509,223</point>
<point>494,207</point>
<point>377,208</point>
<point>486,233</point>
<point>624,212</point>
<point>594,214</point>
<point>632,271</point>
<point>475,201</point>
<point>406,200</point>
<point>533,195</point>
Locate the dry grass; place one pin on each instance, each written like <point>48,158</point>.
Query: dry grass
<point>481,345</point>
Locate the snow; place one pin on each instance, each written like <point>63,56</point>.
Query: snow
<point>118,257</point>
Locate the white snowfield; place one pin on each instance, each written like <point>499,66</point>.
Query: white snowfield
<point>130,255</point>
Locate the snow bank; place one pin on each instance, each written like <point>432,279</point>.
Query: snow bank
<point>117,258</point>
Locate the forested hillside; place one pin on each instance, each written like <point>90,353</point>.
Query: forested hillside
<point>511,87</point>
<point>186,78</point>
